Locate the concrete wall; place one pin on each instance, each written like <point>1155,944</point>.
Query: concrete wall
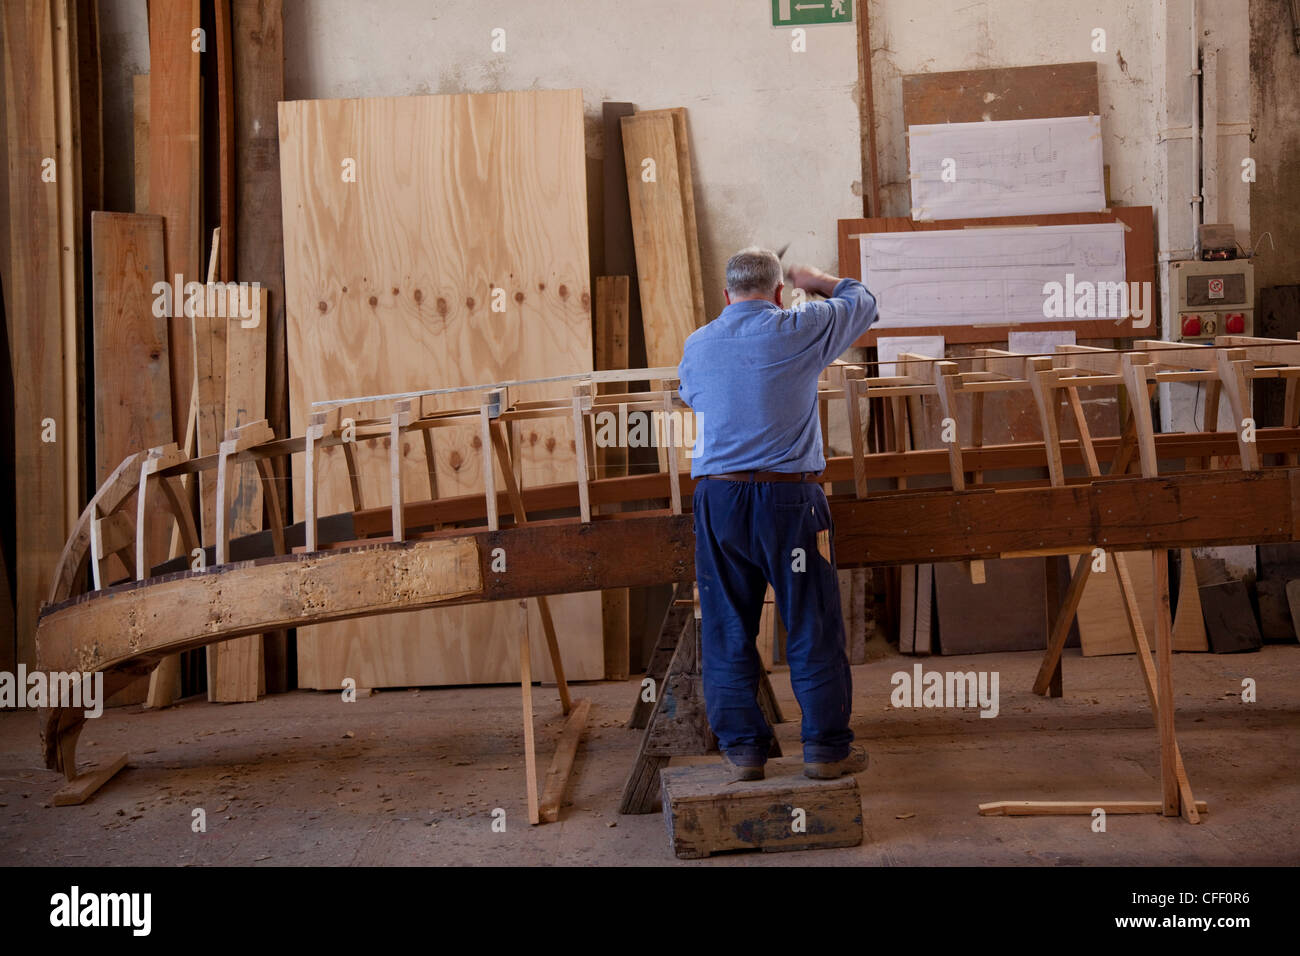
<point>774,133</point>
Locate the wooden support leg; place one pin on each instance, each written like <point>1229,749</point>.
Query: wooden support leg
<point>498,441</point>
<point>678,724</point>
<point>670,631</point>
<point>1081,426</point>
<point>581,405</point>
<point>1165,712</point>
<point>1061,625</point>
<point>489,478</point>
<point>853,399</point>
<point>354,475</point>
<point>1137,372</point>
<point>674,475</point>
<point>1234,372</point>
<point>530,746</point>
<point>400,420</point>
<point>1142,651</point>
<point>315,432</point>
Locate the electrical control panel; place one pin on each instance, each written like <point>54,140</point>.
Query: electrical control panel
<point>1212,298</point>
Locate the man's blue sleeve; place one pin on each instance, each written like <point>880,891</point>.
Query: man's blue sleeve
<point>683,385</point>
<point>849,312</point>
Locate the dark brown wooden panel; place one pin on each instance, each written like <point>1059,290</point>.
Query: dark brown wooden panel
<point>1009,93</point>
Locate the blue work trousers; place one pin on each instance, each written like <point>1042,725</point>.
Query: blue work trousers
<point>747,535</point>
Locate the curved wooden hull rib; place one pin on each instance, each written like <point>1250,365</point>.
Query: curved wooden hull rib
<point>126,629</point>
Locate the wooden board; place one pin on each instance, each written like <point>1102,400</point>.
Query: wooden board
<point>619,244</point>
<point>33,311</point>
<point>1103,626</point>
<point>72,236</point>
<point>258,27</point>
<point>1011,93</point>
<point>978,618</point>
<point>1189,622</point>
<point>238,663</point>
<point>1274,611</point>
<point>132,384</point>
<point>389,285</point>
<point>132,409</point>
<point>611,330</point>
<point>87,783</point>
<point>686,185</point>
<point>659,225</point>
<point>706,813</point>
<point>1139,265</point>
<point>175,186</point>
<point>1229,618</point>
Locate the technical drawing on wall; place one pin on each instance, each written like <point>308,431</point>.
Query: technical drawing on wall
<point>1006,168</point>
<point>989,276</point>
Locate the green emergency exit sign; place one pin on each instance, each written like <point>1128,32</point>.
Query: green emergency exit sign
<point>794,13</point>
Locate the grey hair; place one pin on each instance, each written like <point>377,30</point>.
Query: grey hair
<point>753,271</point>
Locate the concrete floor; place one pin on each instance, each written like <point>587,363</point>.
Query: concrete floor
<point>410,777</point>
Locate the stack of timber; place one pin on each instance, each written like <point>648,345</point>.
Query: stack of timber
<point>452,271</point>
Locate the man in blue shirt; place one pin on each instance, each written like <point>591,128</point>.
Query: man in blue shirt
<point>761,516</point>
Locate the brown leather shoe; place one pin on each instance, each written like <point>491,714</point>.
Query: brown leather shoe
<point>855,762</point>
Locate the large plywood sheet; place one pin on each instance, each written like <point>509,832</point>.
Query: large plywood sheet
<point>402,216</point>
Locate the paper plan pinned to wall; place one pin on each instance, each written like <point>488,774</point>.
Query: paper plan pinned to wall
<point>889,348</point>
<point>1006,168</point>
<point>988,276</point>
<point>1039,343</point>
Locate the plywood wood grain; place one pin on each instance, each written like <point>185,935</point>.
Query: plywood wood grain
<point>390,276</point>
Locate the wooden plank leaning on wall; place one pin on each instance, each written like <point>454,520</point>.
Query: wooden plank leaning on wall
<point>34,292</point>
<point>612,462</point>
<point>258,30</point>
<point>175,188</point>
<point>668,270</point>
